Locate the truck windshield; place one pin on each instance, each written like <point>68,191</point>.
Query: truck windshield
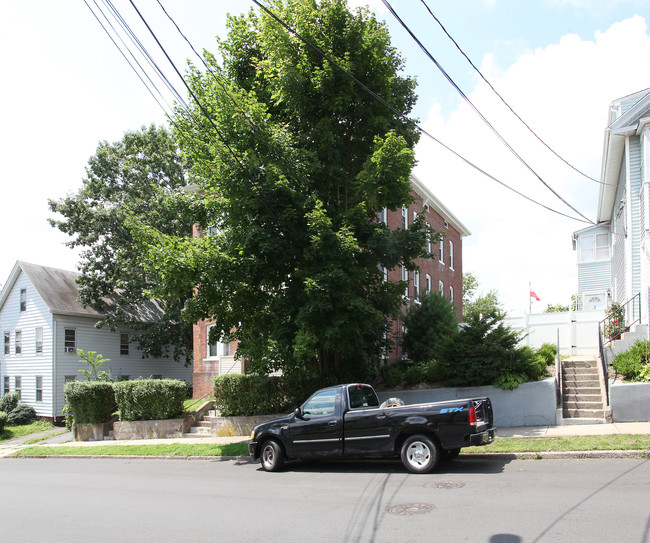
<point>362,396</point>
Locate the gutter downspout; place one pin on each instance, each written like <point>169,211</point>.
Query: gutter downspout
<point>54,336</point>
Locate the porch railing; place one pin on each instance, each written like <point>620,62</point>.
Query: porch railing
<point>615,324</point>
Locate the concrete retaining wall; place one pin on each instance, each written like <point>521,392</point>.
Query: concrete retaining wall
<point>238,426</point>
<point>91,432</point>
<point>530,404</point>
<point>149,429</point>
<point>630,402</point>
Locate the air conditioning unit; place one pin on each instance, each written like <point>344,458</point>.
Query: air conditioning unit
<point>69,349</point>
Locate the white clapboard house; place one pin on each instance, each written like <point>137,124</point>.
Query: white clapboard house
<point>43,323</point>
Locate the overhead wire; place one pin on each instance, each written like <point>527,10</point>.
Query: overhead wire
<point>407,119</point>
<point>503,100</point>
<point>478,112</point>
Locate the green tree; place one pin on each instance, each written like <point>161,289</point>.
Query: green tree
<point>478,304</point>
<point>295,162</point>
<point>427,323</point>
<point>126,179</point>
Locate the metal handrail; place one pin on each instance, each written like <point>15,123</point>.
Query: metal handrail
<point>631,315</point>
<point>603,362</point>
<point>187,409</point>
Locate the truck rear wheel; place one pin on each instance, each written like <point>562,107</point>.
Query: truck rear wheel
<point>420,454</point>
<point>272,456</point>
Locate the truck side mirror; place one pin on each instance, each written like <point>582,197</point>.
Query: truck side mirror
<point>298,413</point>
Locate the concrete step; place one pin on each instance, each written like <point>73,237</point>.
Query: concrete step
<point>584,413</point>
<point>583,420</point>
<point>582,405</point>
<point>198,431</point>
<point>569,397</point>
<point>581,390</point>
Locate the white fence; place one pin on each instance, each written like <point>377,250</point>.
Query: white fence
<point>576,331</point>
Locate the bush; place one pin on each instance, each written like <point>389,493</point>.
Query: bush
<point>434,372</point>
<point>632,362</point>
<point>548,352</point>
<point>150,399</point>
<point>3,421</point>
<point>9,401</point>
<point>414,374</point>
<point>392,374</point>
<point>89,402</point>
<point>22,414</point>
<point>249,394</point>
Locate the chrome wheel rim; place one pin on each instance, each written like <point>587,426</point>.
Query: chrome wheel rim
<point>268,455</point>
<point>418,454</point>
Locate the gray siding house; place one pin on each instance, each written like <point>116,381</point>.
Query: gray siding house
<point>614,255</point>
<point>43,324</point>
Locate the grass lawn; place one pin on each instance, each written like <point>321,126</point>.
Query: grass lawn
<point>640,443</point>
<point>26,429</point>
<point>613,442</point>
<point>171,449</point>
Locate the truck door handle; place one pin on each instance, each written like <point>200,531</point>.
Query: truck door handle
<point>381,416</point>
<point>333,423</point>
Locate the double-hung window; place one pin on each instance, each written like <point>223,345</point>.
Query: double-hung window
<point>441,251</point>
<point>405,217</point>
<point>405,277</point>
<point>124,344</point>
<point>416,285</point>
<point>70,340</point>
<point>451,255</point>
<point>23,299</point>
<point>18,340</point>
<point>7,342</point>
<point>39,388</point>
<point>18,386</point>
<point>39,340</point>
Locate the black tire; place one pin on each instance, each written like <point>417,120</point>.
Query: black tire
<point>449,454</point>
<point>272,455</point>
<point>420,454</point>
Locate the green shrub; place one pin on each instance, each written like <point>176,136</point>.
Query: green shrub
<point>392,374</point>
<point>632,362</point>
<point>414,374</point>
<point>3,421</point>
<point>9,401</point>
<point>22,414</point>
<point>548,352</point>
<point>89,402</point>
<point>434,372</point>
<point>250,394</point>
<point>150,399</point>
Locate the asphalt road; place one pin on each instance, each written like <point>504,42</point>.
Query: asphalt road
<point>474,499</point>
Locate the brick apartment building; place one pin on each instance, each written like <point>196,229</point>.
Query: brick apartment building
<point>442,274</point>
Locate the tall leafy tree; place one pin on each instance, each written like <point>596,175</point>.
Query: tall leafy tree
<point>295,162</point>
<point>125,181</point>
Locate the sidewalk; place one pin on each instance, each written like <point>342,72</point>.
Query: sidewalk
<point>10,446</point>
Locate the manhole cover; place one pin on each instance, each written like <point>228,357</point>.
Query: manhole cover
<point>410,509</point>
<point>446,485</point>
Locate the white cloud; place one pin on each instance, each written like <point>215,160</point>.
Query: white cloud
<point>562,91</point>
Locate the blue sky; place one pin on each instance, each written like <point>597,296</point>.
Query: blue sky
<point>558,63</point>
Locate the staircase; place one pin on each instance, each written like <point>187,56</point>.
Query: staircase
<point>582,395</point>
<point>202,427</point>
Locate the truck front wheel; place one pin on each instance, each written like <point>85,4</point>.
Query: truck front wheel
<point>272,455</point>
<point>420,454</point>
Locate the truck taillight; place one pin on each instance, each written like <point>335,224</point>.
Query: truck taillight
<point>472,416</point>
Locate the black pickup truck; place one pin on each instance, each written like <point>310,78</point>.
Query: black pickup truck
<point>348,421</point>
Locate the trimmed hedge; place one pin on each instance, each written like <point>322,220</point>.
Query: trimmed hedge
<point>3,421</point>
<point>90,402</point>
<point>150,399</point>
<point>243,394</point>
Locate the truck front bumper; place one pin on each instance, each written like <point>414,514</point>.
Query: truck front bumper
<point>482,438</point>
<point>252,445</point>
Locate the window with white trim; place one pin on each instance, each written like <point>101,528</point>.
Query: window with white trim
<point>7,342</point>
<point>416,285</point>
<point>18,341</point>
<point>405,277</point>
<point>23,299</point>
<point>39,340</point>
<point>70,340</point>
<point>451,255</point>
<point>593,247</point>
<point>219,348</point>
<point>427,282</point>
<point>6,388</point>
<point>39,388</point>
<point>383,215</point>
<point>441,287</point>
<point>18,386</point>
<point>124,344</point>
<point>405,217</point>
<point>451,293</point>
<point>441,251</point>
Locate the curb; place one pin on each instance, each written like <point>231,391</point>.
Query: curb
<point>240,459</point>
